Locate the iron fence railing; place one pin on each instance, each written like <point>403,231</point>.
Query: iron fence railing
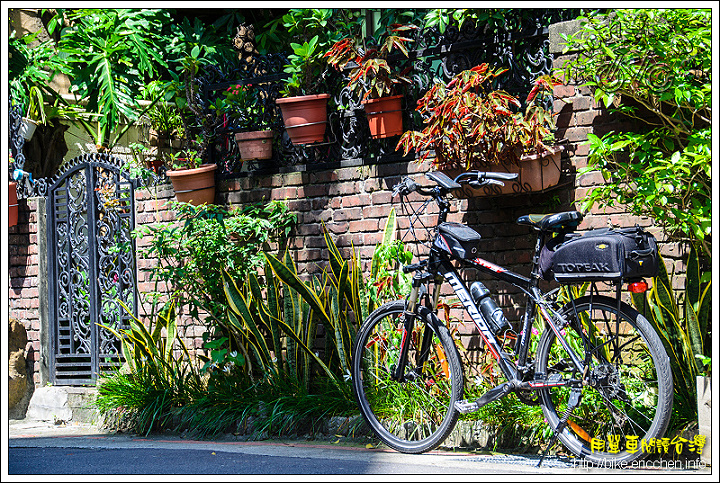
<point>523,49</point>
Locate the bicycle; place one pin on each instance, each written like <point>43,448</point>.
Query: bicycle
<point>599,370</point>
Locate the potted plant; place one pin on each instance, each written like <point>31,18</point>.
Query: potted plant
<point>35,113</point>
<point>166,125</point>
<point>192,181</point>
<point>376,78</point>
<point>304,112</point>
<point>469,126</point>
<point>309,32</point>
<point>245,112</point>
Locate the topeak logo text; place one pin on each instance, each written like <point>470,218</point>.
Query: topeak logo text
<point>584,267</point>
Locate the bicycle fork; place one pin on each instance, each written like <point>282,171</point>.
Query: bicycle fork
<point>410,315</point>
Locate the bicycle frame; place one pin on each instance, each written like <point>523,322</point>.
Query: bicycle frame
<point>516,373</point>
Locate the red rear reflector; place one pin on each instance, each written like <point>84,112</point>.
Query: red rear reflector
<point>638,287</point>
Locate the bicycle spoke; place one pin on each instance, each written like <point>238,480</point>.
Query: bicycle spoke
<point>416,413</point>
<point>627,389</point>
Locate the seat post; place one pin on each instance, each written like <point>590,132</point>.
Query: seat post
<point>535,272</point>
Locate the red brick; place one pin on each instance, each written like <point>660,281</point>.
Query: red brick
<point>376,211</point>
<point>564,91</point>
<point>363,225</point>
<point>350,200</point>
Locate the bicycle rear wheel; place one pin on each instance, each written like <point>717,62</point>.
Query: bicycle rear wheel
<point>627,392</point>
<point>418,414</point>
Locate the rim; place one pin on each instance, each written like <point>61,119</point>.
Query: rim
<point>191,171</point>
<point>249,135</point>
<point>310,97</point>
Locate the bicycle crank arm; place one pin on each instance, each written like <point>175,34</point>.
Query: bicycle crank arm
<point>554,380</point>
<point>493,394</point>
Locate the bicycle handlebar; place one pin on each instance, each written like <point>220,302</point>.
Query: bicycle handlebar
<point>476,179</point>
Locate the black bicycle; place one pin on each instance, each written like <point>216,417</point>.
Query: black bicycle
<point>599,372</point>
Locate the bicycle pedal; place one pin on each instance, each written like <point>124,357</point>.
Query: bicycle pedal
<point>465,406</point>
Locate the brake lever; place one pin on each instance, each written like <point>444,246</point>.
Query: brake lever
<point>398,187</point>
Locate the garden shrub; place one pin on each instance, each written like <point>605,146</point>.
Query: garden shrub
<point>193,252</point>
<point>654,67</point>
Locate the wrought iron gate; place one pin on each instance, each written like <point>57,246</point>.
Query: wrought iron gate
<point>91,266</point>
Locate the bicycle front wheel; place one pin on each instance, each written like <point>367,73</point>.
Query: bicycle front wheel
<point>627,389</point>
<point>416,414</point>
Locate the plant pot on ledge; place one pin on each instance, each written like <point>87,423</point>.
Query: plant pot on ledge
<point>305,117</point>
<point>195,186</point>
<point>384,116</point>
<point>537,172</point>
<point>254,144</point>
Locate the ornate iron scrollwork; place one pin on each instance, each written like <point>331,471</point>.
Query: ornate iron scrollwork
<point>91,266</point>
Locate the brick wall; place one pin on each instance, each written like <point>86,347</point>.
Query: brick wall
<point>24,283</point>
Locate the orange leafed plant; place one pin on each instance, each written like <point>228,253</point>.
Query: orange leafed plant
<point>470,126</point>
<point>372,72</point>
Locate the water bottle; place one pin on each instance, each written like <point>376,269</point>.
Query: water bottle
<point>493,314</point>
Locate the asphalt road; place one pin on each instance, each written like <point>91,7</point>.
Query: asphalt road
<point>41,449</point>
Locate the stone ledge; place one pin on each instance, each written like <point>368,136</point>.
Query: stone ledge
<point>63,403</point>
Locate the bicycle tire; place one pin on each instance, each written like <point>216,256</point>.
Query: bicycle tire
<point>630,395</point>
<point>414,416</point>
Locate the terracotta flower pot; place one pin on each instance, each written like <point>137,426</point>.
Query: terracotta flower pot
<point>305,117</point>
<point>154,164</point>
<point>255,144</point>
<point>541,171</point>
<point>384,116</point>
<point>12,204</point>
<point>195,186</point>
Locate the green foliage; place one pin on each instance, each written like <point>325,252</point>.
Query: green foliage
<point>292,308</point>
<point>30,71</point>
<point>185,36</point>
<point>387,280</point>
<point>156,379</point>
<point>330,298</point>
<point>111,54</point>
<point>469,126</point>
<point>244,106</point>
<point>492,20</point>
<point>309,32</point>
<point>684,325</point>
<point>653,66</point>
<point>184,159</point>
<point>207,240</point>
<point>253,314</point>
<point>166,120</point>
<point>305,67</point>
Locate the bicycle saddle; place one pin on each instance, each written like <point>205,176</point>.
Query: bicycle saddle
<point>555,222</point>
